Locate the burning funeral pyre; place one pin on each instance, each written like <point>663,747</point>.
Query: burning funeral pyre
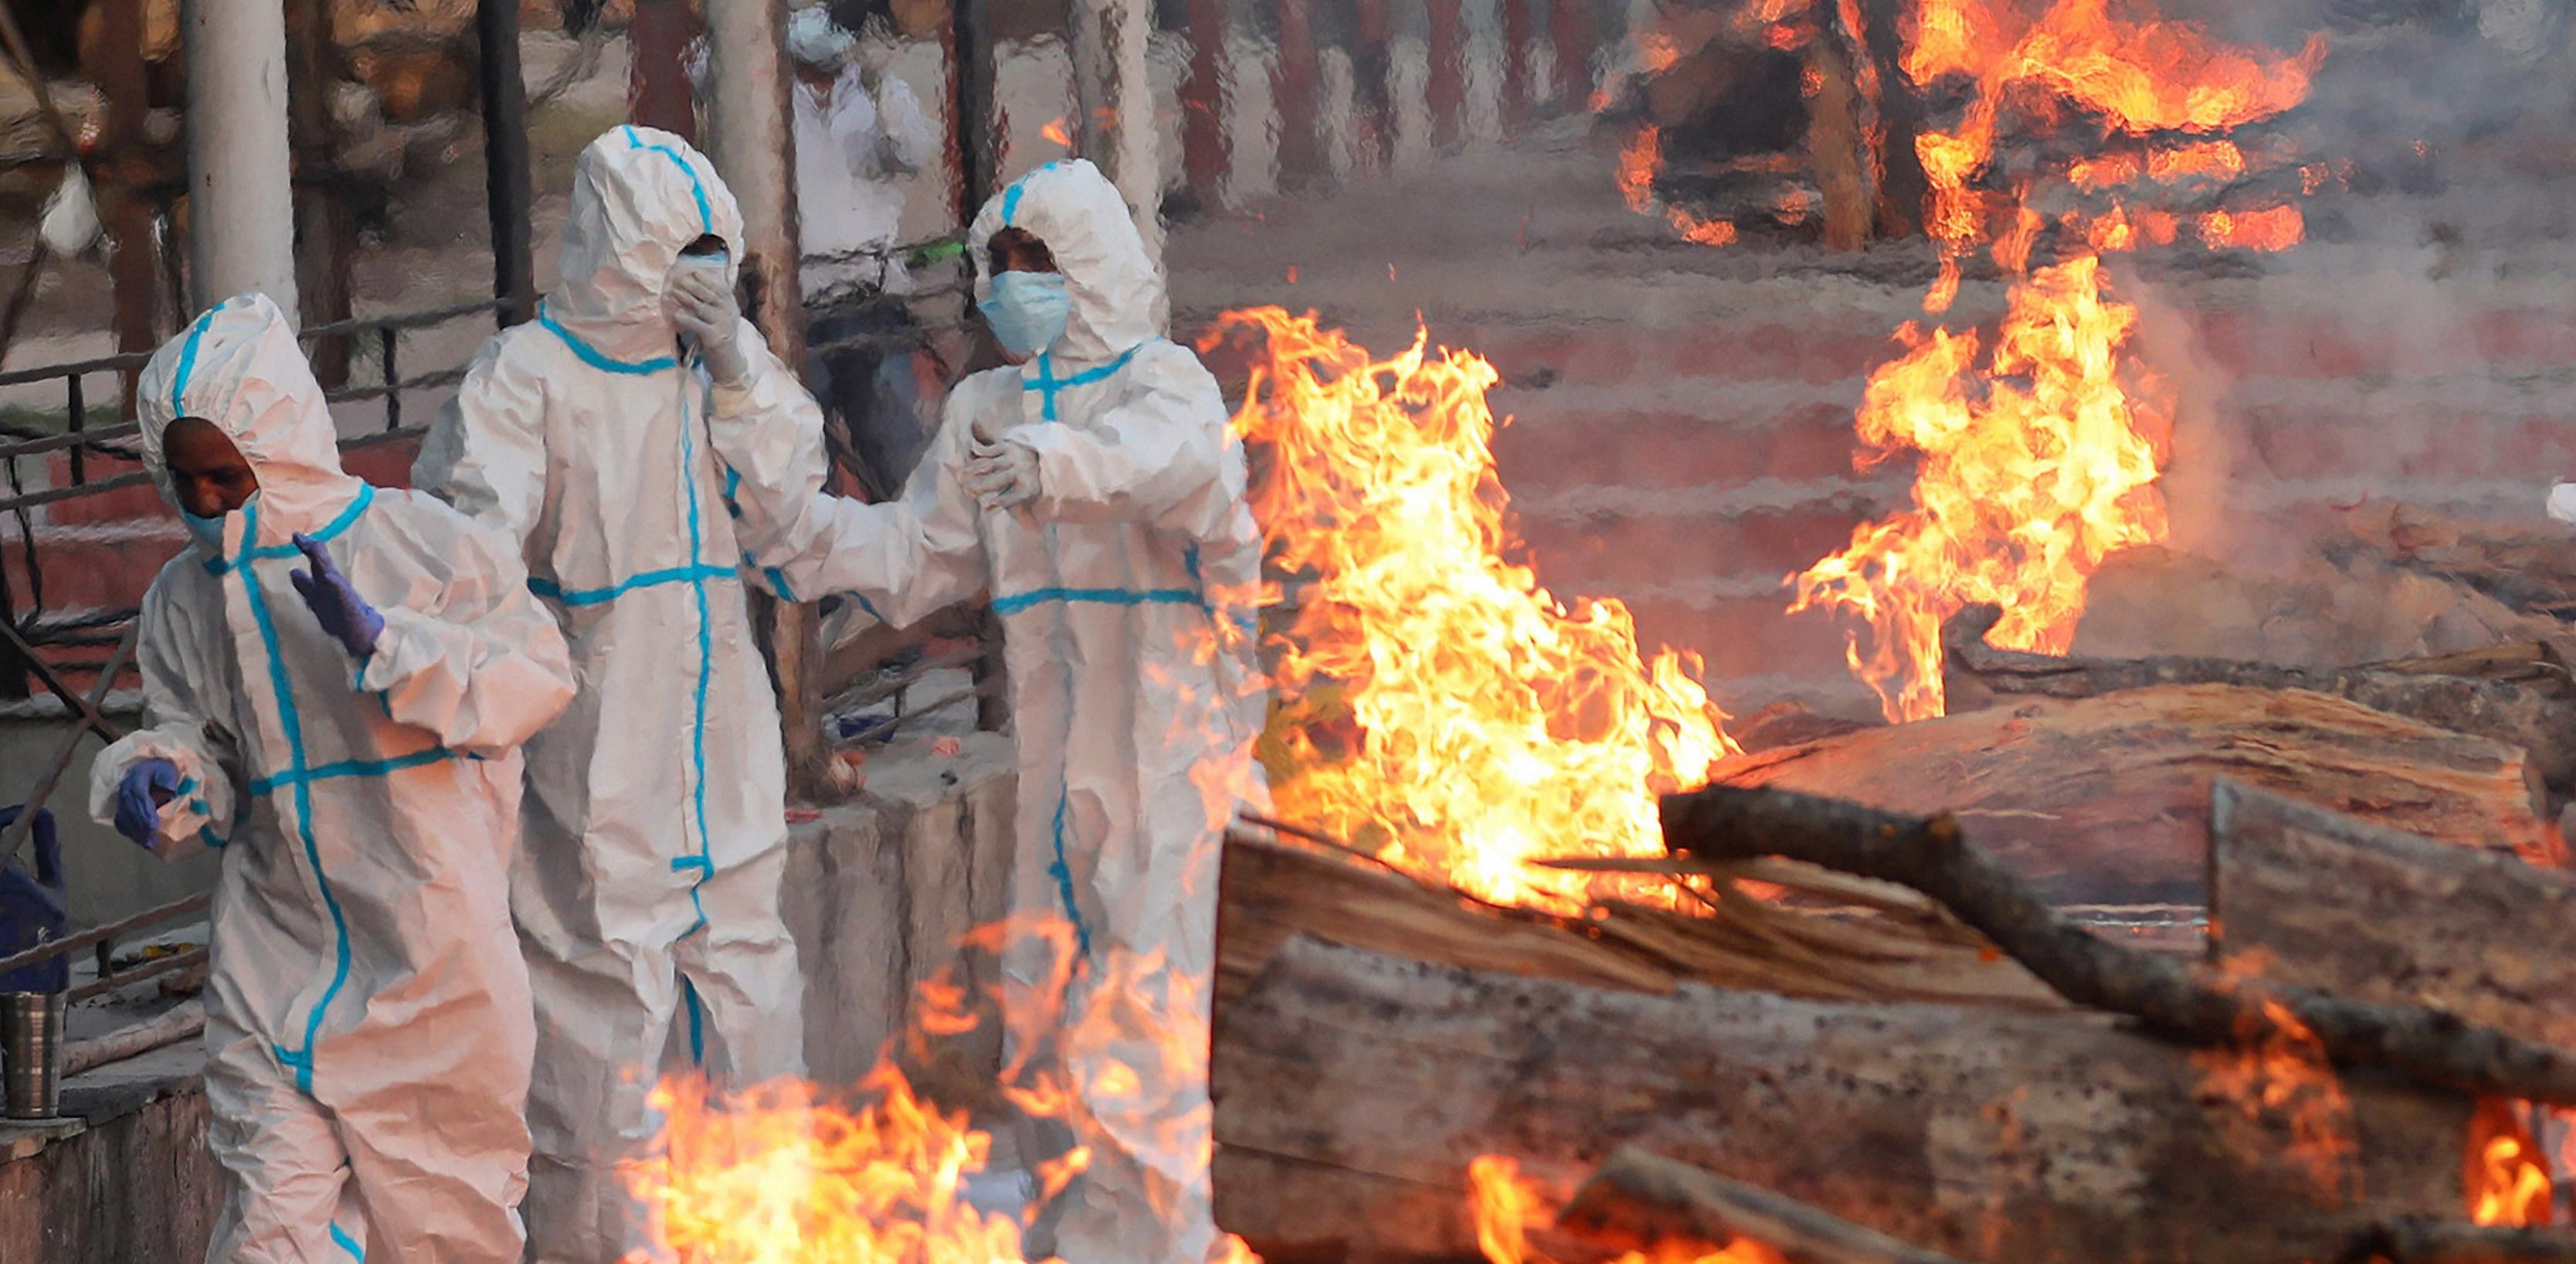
<point>2181,959</point>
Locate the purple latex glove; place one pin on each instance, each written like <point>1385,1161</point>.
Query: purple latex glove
<point>335,604</point>
<point>140,795</point>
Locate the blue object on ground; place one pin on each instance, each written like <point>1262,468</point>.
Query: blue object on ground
<point>32,908</point>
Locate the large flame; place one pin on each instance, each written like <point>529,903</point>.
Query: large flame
<point>792,1173</point>
<point>1441,707</point>
<point>2035,463</point>
<point>2039,461</point>
<point>1507,1205</point>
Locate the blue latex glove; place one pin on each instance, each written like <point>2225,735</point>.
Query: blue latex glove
<point>138,806</point>
<point>335,604</point>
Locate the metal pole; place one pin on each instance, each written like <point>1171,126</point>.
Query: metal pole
<point>752,145</point>
<point>506,189</point>
<point>970,105</point>
<point>657,90</point>
<point>241,214</point>
<point>127,171</point>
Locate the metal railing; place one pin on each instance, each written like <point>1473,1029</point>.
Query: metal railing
<point>23,637</point>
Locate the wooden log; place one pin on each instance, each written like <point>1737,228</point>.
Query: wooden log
<point>179,1022</point>
<point>1639,1197</point>
<point>1837,152</point>
<point>1269,893</point>
<point>2423,1241</point>
<point>2317,899</point>
<point>2519,695</point>
<point>2310,615</point>
<point>2105,800</point>
<point>1903,948</point>
<point>2529,567</point>
<point>1934,856</point>
<point>1353,1089</point>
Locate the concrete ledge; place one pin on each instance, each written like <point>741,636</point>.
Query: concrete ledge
<point>880,889</point>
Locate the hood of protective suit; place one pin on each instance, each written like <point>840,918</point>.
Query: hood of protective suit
<point>238,366</point>
<point>638,196</point>
<point>1078,214</point>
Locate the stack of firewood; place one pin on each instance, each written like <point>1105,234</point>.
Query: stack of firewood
<point>1883,1018</point>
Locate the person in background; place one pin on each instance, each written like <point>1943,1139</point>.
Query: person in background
<point>1095,490</point>
<point>336,681</point>
<point>605,438</point>
<point>859,132</point>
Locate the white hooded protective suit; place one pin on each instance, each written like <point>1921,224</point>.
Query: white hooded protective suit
<point>1126,589</point>
<point>656,829</point>
<point>367,1017</point>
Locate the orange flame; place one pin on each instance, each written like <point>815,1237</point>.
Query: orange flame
<point>789,1173</point>
<point>1505,1206</point>
<point>2277,1076</point>
<point>1639,159</point>
<point>2209,159</point>
<point>2273,228</point>
<point>2035,466</point>
<point>1059,130</point>
<point>2039,462</point>
<point>1439,706</point>
<point>2508,1176</point>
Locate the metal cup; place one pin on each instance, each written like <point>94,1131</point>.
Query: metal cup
<point>31,1053</point>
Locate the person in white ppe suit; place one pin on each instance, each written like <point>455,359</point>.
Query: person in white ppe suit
<point>1096,492</point>
<point>336,679</point>
<point>603,438</point>
<point>859,134</point>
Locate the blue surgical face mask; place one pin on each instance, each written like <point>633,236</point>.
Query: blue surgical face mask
<point>209,531</point>
<point>1028,310</point>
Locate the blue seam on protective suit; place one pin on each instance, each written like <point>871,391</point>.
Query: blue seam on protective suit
<point>293,723</point>
<point>356,768</point>
<point>1018,602</point>
<point>697,1024</point>
<point>341,1239</point>
<point>601,360</point>
<point>356,509</point>
<point>697,187</point>
<point>1062,870</point>
<point>188,364</point>
<point>869,606</point>
<point>1048,383</point>
<point>706,667</point>
<point>1019,188</point>
<point>552,591</point>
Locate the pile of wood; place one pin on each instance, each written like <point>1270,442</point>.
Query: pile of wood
<point>1878,1014</point>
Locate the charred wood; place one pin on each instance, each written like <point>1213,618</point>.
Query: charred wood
<point>1934,856</point>
<point>2105,799</point>
<point>2421,1241</point>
